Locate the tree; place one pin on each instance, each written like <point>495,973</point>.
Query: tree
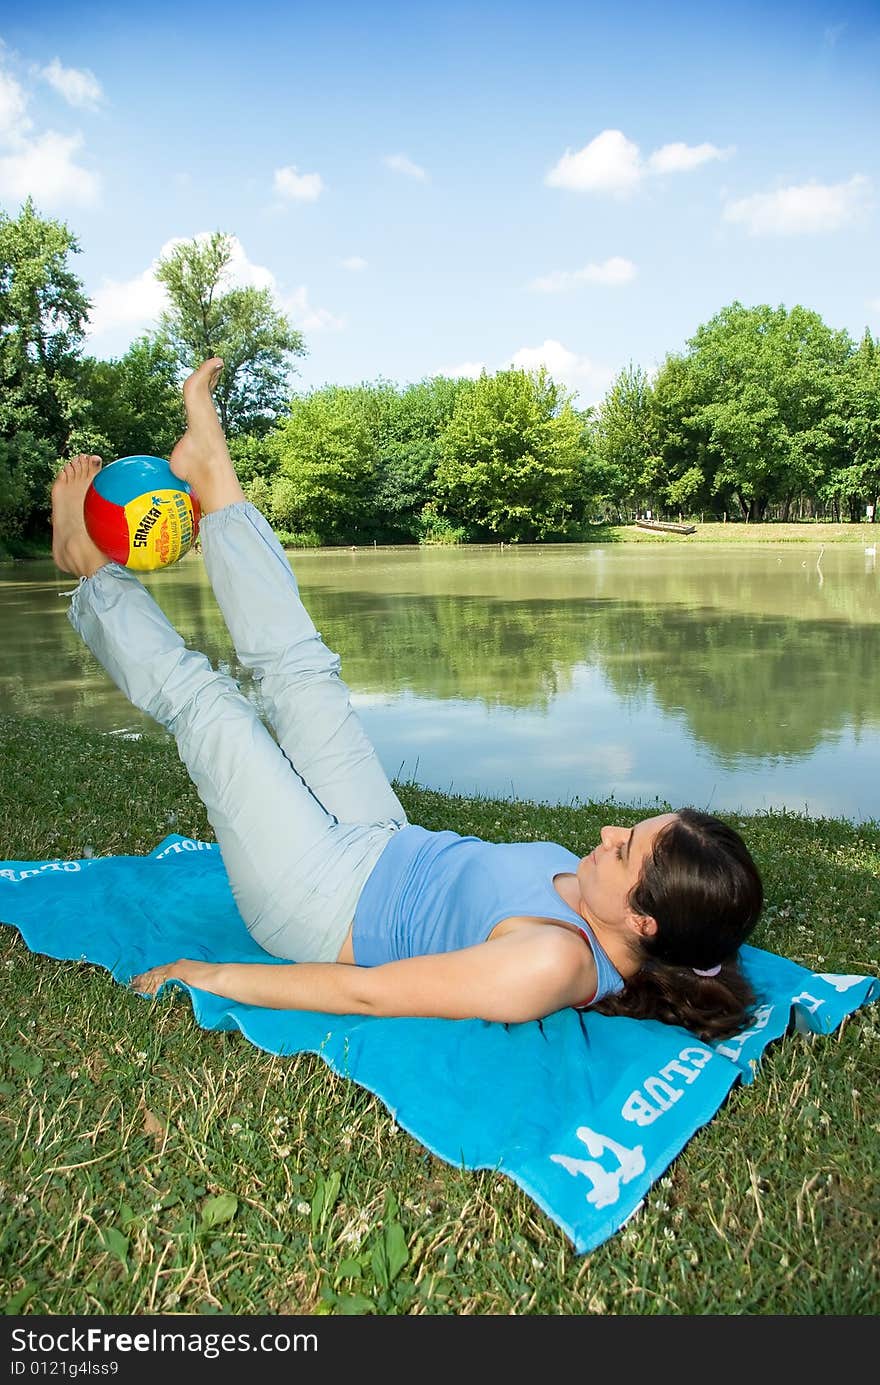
<point>408,448</point>
<point>686,467</point>
<point>134,403</point>
<point>758,389</point>
<point>207,318</point>
<point>623,439</point>
<point>43,313</point>
<point>355,463</point>
<point>855,483</point>
<point>511,462</point>
<point>326,451</point>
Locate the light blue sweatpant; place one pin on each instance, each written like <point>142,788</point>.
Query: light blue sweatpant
<point>300,821</point>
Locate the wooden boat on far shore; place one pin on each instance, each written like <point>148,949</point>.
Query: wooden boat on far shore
<point>665,528</point>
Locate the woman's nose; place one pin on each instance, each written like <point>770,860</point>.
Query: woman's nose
<point>608,835</point>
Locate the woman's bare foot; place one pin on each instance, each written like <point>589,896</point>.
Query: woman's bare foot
<point>72,547</point>
<point>201,457</point>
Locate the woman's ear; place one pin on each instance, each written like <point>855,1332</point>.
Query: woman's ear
<point>643,924</point>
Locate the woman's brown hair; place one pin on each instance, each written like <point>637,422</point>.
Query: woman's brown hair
<point>703,889</point>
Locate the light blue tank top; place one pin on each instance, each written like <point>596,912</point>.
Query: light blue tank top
<point>437,892</point>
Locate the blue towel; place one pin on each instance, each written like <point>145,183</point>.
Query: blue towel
<point>582,1111</point>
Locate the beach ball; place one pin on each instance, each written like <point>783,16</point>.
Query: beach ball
<point>140,514</point>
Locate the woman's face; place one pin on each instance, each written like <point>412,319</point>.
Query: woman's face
<point>609,873</point>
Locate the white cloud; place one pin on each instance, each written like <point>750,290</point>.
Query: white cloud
<point>609,163</point>
<point>240,272</point>
<point>137,303</point>
<point>612,163</point>
<point>611,272</point>
<point>587,379</point>
<point>401,164</point>
<point>807,209</point>
<point>465,370</point>
<point>355,263</point>
<point>45,168</point>
<point>299,187</point>
<point>681,158</point>
<point>307,317</point>
<point>134,303</point>
<point>874,305</point>
<point>78,86</point>
<point>14,120</point>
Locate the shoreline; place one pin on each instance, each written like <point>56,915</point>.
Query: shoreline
<point>764,533</point>
<point>115,757</point>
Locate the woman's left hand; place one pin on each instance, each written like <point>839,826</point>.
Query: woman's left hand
<point>150,982</point>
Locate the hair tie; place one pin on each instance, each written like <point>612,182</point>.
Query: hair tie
<point>710,971</point>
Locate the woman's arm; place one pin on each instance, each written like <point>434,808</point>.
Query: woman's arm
<point>521,976</point>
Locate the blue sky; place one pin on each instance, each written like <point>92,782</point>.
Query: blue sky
<point>438,188</point>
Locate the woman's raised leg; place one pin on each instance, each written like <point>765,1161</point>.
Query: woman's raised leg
<point>306,701</point>
<point>295,872</point>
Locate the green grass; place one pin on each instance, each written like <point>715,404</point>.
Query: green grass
<point>810,533</point>
<point>150,1166</point>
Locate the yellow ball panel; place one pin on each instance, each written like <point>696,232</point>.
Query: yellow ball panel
<point>160,527</point>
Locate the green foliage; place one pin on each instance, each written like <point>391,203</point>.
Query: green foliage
<point>433,528</point>
<point>855,421</point>
<point>134,404</point>
<point>324,1200</point>
<point>370,1282</point>
<point>27,465</point>
<point>511,457</point>
<point>357,463</point>
<point>216,1211</point>
<point>408,450</point>
<point>404,484</point>
<point>43,313</point>
<point>115,1243</point>
<point>752,400</point>
<point>327,464</point>
<point>623,442</point>
<point>254,456</point>
<point>682,470</point>
<point>208,317</point>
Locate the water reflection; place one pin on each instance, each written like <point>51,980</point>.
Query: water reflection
<point>735,677</point>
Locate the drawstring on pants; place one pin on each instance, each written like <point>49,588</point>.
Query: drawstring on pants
<point>74,590</point>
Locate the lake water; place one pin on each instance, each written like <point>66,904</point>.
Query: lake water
<point>725,677</point>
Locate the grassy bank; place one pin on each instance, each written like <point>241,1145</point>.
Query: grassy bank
<point>153,1167</point>
<point>813,534</point>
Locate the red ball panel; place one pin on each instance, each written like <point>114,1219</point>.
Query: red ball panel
<point>107,526</point>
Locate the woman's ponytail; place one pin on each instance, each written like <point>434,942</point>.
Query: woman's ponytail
<point>712,1007</point>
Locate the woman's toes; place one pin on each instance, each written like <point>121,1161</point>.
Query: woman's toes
<point>207,373</point>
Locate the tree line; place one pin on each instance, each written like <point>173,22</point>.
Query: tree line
<point>767,413</point>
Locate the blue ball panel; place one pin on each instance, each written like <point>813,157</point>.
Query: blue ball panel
<point>122,480</point>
